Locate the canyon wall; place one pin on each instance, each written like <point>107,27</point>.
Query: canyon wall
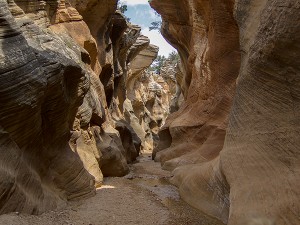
<point>206,36</point>
<point>66,118</point>
<point>43,83</point>
<point>234,143</point>
<point>76,104</point>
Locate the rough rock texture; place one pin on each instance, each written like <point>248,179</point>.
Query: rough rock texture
<point>263,133</point>
<point>148,108</point>
<point>62,80</point>
<point>43,83</point>
<point>172,74</point>
<point>150,94</point>
<point>255,178</point>
<point>136,97</point>
<point>206,36</point>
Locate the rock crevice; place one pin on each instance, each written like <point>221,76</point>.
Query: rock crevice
<point>66,118</point>
<point>77,103</point>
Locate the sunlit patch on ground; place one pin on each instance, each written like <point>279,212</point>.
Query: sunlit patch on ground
<point>106,187</point>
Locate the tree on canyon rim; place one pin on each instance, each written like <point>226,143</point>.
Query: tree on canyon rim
<point>161,59</point>
<point>123,8</point>
<point>159,62</point>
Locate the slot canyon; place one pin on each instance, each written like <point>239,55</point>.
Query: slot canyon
<point>89,135</point>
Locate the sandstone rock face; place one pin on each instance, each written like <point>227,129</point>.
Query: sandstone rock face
<point>135,95</point>
<point>255,178</point>
<point>150,95</point>
<point>42,85</point>
<point>64,66</point>
<point>93,111</point>
<point>206,36</point>
<point>263,133</point>
<point>148,107</point>
<point>172,74</point>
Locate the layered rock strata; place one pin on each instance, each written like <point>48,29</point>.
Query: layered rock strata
<point>136,92</point>
<point>171,73</point>
<point>43,83</point>
<point>206,36</point>
<point>236,160</point>
<point>64,65</point>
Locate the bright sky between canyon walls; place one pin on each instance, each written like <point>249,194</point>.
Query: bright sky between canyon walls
<point>140,13</point>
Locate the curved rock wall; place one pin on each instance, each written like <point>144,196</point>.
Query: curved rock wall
<point>206,36</point>
<point>255,178</point>
<point>262,142</point>
<point>63,69</point>
<point>76,104</point>
<point>42,85</point>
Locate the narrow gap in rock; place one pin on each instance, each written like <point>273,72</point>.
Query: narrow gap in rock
<point>149,112</point>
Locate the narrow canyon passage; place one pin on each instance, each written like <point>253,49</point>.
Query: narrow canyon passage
<point>99,125</point>
<point>144,197</point>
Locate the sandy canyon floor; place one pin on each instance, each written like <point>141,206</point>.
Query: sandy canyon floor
<point>142,197</point>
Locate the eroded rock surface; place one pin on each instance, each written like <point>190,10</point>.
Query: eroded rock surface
<point>238,159</point>
<point>119,200</point>
<point>63,73</point>
<point>208,43</point>
<point>77,104</point>
<point>264,127</point>
<point>43,83</point>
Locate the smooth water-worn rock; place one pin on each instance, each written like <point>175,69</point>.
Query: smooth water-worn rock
<point>61,124</point>
<point>208,44</point>
<point>264,127</point>
<point>42,85</point>
<point>234,150</point>
<point>77,103</point>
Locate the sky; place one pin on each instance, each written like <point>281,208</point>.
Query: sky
<point>140,13</point>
